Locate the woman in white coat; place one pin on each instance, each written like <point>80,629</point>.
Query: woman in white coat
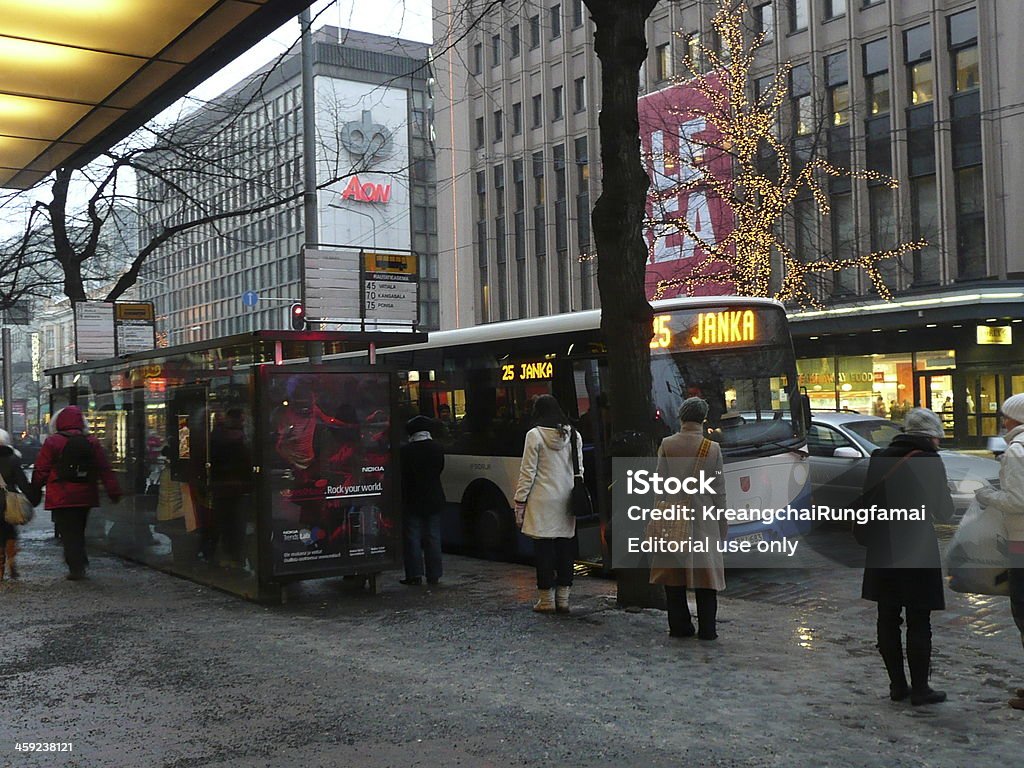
<point>542,502</point>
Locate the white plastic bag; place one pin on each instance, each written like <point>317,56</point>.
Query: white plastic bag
<point>977,558</point>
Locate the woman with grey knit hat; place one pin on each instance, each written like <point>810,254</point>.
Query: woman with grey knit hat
<point>903,572</point>
<point>1009,499</point>
<point>686,454</point>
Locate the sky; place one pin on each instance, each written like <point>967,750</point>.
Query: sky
<point>409,19</point>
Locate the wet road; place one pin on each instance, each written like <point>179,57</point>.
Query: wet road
<point>136,668</point>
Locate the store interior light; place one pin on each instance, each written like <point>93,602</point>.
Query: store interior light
<point>930,325</point>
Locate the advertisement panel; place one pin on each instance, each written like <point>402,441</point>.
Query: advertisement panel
<point>329,472</point>
<point>363,146</point>
<point>677,141</point>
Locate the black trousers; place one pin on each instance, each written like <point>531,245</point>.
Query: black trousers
<point>919,643</point>
<point>70,524</point>
<point>1017,592</point>
<point>554,559</point>
<point>680,621</point>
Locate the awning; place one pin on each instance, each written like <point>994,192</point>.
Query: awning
<point>77,76</point>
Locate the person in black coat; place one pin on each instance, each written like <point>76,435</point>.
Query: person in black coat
<point>423,499</point>
<point>14,477</point>
<point>903,571</point>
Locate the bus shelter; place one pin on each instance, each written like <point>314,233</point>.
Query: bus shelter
<point>245,464</point>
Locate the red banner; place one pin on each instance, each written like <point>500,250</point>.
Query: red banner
<point>676,143</point>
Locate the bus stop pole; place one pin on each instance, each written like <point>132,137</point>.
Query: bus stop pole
<point>8,386</point>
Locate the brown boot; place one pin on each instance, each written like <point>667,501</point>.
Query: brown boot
<point>10,550</point>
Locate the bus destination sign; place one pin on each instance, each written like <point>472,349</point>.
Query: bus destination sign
<point>703,330</point>
<point>539,370</point>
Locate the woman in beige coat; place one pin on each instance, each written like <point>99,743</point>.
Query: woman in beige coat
<point>542,502</point>
<point>680,455</point>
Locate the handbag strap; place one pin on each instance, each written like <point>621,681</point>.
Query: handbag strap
<point>3,483</point>
<point>575,457</point>
<point>702,454</point>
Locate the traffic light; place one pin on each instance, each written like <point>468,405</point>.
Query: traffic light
<point>298,315</point>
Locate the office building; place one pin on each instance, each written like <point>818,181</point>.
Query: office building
<point>372,123</point>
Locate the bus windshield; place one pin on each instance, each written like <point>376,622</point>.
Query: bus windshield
<point>733,360</point>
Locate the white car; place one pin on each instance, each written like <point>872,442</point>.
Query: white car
<point>840,445</point>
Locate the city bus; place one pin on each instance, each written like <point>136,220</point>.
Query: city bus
<point>480,382</point>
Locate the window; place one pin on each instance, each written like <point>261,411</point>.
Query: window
<point>534,32</point>
<point>479,132</point>
<point>797,15</point>
<point>764,21</point>
<point>478,58</point>
<point>495,50</point>
<point>876,76</point>
<point>924,215</point>
<point>538,110</point>
<point>517,118</point>
<point>963,45</point>
<point>557,107</point>
<point>692,51</point>
<point>577,14</point>
<point>967,73</point>
<point>499,120</point>
<point>970,222</point>
<point>513,42</point>
<point>556,21</point>
<point>579,94</point>
<point>837,80</point>
<point>963,28</point>
<point>803,105</point>
<point>663,62</point>
<point>834,8</point>
<point>921,76</point>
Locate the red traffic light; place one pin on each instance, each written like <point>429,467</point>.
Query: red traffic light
<point>298,315</point>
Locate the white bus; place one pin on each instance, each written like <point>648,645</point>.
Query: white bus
<point>734,352</point>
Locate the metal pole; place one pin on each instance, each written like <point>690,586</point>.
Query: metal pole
<point>8,386</point>
<point>309,197</point>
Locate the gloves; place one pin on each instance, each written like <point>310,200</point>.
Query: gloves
<point>520,512</point>
<point>985,495</point>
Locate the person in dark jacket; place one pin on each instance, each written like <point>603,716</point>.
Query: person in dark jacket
<point>14,477</point>
<point>70,502</point>
<point>423,499</point>
<point>230,483</point>
<point>903,571</point>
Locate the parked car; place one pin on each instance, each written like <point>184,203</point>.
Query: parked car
<point>840,445</point>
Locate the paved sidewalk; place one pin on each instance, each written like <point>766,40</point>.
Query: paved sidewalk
<point>137,668</point>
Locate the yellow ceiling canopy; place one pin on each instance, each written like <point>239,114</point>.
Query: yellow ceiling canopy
<point>77,76</point>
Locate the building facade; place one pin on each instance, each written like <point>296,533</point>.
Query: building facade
<point>926,91</point>
<point>368,88</point>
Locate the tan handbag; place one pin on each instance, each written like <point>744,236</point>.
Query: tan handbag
<point>17,509</point>
<point>681,529</point>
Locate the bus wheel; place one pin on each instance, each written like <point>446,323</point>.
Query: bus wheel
<point>493,528</point>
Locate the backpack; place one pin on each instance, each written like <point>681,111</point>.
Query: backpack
<point>77,461</point>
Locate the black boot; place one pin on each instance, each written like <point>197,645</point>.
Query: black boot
<point>919,659</point>
<point>707,613</point>
<point>890,647</point>
<point>680,622</point>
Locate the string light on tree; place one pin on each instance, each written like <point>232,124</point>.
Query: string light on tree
<point>755,202</point>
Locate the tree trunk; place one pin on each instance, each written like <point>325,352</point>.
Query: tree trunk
<point>63,249</point>
<point>621,46</point>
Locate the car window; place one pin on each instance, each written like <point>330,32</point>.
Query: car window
<point>823,441</point>
<point>879,432</point>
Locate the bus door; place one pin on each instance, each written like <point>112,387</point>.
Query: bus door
<point>592,424</point>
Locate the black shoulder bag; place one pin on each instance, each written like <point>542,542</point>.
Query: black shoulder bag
<point>580,504</point>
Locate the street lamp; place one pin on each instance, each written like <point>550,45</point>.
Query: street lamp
<point>373,221</point>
